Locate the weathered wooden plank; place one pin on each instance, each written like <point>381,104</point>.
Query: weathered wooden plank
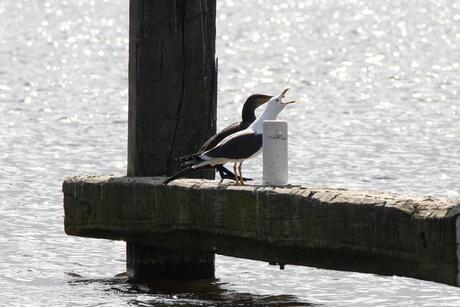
<point>380,233</point>
<point>172,82</point>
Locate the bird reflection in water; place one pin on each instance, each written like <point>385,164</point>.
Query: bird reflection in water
<point>174,292</point>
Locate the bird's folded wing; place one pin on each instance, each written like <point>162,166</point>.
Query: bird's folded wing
<point>217,138</point>
<point>240,146</point>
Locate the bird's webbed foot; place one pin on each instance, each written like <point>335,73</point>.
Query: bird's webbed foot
<point>227,174</point>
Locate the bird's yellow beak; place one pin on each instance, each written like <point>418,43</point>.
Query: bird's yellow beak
<point>283,93</point>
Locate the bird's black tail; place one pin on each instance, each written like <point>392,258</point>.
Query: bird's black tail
<point>187,159</point>
<point>178,174</point>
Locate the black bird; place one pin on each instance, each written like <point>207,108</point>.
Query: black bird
<point>248,117</point>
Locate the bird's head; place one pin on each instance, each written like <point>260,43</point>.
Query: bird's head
<point>252,103</point>
<point>278,102</point>
<point>259,99</point>
<point>274,106</point>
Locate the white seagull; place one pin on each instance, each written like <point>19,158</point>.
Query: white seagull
<point>244,144</point>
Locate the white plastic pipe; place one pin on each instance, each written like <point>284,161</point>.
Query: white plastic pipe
<point>275,152</point>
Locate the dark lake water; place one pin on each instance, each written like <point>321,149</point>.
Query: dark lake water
<point>377,85</point>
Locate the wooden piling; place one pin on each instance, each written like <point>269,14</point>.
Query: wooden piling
<point>172,110</point>
<point>172,82</point>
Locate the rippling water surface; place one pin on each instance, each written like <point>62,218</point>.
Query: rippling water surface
<point>377,85</point>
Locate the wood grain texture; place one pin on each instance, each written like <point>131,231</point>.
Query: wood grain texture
<point>172,82</point>
<point>381,233</point>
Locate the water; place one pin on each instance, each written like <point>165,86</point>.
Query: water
<point>377,85</point>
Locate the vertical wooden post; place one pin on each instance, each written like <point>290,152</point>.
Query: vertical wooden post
<point>457,228</point>
<point>172,109</point>
<point>172,82</point>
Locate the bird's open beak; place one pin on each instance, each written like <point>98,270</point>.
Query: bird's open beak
<point>282,95</point>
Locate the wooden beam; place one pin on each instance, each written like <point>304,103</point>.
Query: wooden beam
<point>370,232</point>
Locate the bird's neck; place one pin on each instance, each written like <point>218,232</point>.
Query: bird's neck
<point>248,112</point>
<point>270,113</point>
